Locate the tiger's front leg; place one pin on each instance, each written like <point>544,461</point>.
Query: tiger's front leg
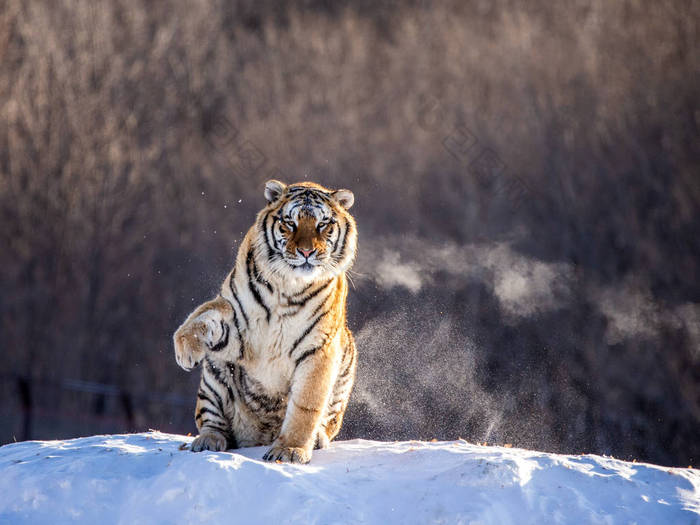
<point>208,328</point>
<point>308,397</point>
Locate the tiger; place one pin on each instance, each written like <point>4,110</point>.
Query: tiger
<point>277,358</point>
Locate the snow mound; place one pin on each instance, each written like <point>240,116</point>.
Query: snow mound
<point>148,478</point>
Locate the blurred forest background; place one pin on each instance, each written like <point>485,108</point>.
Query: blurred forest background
<point>527,192</point>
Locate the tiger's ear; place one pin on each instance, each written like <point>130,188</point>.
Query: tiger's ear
<point>273,190</point>
<point>344,197</point>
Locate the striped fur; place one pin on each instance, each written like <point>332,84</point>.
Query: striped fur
<point>278,361</point>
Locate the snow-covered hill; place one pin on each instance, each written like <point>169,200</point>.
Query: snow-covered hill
<point>148,478</point>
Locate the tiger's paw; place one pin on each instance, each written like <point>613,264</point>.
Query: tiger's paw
<point>189,345</point>
<point>209,441</point>
<point>288,454</point>
<point>193,338</point>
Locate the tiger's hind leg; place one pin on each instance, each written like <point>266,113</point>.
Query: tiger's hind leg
<point>322,440</point>
<point>334,423</point>
<point>213,423</point>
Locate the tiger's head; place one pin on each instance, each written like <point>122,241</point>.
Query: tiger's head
<point>306,230</point>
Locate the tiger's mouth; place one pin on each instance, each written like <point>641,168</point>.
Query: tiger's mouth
<point>304,267</point>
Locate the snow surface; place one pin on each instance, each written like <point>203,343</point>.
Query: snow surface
<point>147,478</point>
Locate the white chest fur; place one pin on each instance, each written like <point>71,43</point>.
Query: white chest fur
<point>266,355</point>
<point>273,326</point>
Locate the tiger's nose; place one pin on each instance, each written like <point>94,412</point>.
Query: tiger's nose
<point>305,253</point>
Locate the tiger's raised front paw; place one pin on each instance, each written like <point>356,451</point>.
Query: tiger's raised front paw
<point>209,441</point>
<point>194,337</point>
<point>288,454</point>
<point>190,344</point>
